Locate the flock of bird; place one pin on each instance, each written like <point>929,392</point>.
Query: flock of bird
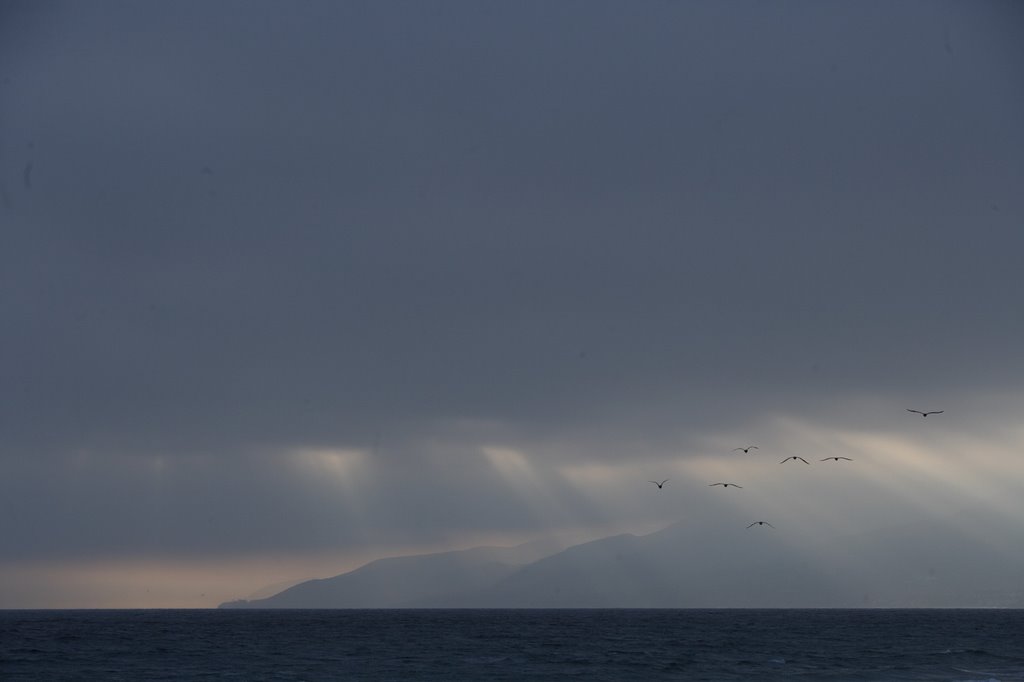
<point>747,449</point>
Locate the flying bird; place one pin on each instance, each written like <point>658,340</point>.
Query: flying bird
<point>659,484</point>
<point>760,523</point>
<point>925,414</point>
<point>836,459</point>
<point>794,457</point>
<point>726,485</point>
<point>747,449</point>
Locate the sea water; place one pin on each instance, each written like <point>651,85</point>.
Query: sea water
<point>600,644</point>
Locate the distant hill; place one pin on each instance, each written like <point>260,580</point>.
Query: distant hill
<point>418,580</point>
<point>932,564</point>
<point>936,563</point>
<point>684,566</point>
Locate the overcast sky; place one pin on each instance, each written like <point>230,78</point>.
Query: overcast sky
<point>288,286</point>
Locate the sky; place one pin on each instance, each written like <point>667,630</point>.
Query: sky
<point>286,287</point>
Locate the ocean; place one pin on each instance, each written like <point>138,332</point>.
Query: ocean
<point>507,644</point>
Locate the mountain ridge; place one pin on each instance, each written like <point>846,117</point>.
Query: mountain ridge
<point>691,564</point>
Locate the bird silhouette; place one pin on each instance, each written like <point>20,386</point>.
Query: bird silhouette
<point>659,484</point>
<point>760,523</point>
<point>794,457</point>
<point>925,414</point>
<point>726,485</point>
<point>836,459</point>
<point>747,449</point>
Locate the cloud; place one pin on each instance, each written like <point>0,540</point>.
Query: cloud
<point>285,279</point>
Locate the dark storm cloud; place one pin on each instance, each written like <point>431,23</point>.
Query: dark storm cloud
<point>251,228</point>
<point>99,505</point>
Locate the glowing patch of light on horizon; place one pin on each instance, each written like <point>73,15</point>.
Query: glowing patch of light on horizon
<point>936,479</point>
<point>934,475</point>
<point>170,582</point>
<point>892,477</point>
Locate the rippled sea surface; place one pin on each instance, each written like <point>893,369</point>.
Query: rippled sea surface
<point>619,644</point>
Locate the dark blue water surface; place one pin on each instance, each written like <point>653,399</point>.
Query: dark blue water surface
<point>618,644</point>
